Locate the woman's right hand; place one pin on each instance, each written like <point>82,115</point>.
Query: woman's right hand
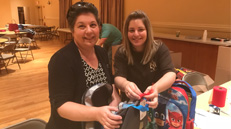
<point>132,91</point>
<point>107,118</point>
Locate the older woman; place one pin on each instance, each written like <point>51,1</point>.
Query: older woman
<point>142,64</point>
<point>75,68</point>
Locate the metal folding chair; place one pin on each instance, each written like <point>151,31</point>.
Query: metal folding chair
<point>33,123</point>
<point>24,47</point>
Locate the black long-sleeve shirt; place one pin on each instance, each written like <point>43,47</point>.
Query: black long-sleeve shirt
<point>143,75</point>
<point>67,82</point>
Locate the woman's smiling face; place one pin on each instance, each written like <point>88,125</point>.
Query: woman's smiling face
<point>86,30</point>
<point>137,34</point>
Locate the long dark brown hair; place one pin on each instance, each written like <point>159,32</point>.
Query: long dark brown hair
<point>150,45</point>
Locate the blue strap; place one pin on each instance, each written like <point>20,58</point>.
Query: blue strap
<point>139,107</point>
<point>142,108</point>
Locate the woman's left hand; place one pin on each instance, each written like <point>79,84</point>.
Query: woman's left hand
<point>152,97</point>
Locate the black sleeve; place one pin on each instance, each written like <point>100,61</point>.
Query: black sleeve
<point>120,63</point>
<point>102,55</point>
<point>164,61</point>
<point>61,84</point>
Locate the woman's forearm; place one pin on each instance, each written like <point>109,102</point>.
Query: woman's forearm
<point>121,82</point>
<point>77,112</point>
<point>165,82</point>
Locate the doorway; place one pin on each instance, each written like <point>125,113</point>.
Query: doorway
<point>39,18</point>
<point>21,16</point>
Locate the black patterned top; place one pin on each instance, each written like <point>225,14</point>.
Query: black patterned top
<point>94,76</point>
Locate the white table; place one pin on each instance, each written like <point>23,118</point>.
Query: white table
<point>207,120</point>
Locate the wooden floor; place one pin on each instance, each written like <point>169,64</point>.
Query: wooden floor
<point>24,93</point>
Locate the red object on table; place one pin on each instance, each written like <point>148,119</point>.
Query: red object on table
<point>2,30</point>
<point>219,96</point>
<point>13,26</point>
<point>16,31</point>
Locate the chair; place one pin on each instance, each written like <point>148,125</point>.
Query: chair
<point>55,32</point>
<point>23,47</point>
<point>2,64</point>
<point>31,36</point>
<point>37,32</point>
<point>44,33</point>
<point>6,37</point>
<point>40,33</point>
<point>7,42</point>
<point>50,31</point>
<point>33,123</point>
<point>8,53</point>
<point>196,79</point>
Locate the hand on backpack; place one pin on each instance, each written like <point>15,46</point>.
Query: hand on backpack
<point>107,118</point>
